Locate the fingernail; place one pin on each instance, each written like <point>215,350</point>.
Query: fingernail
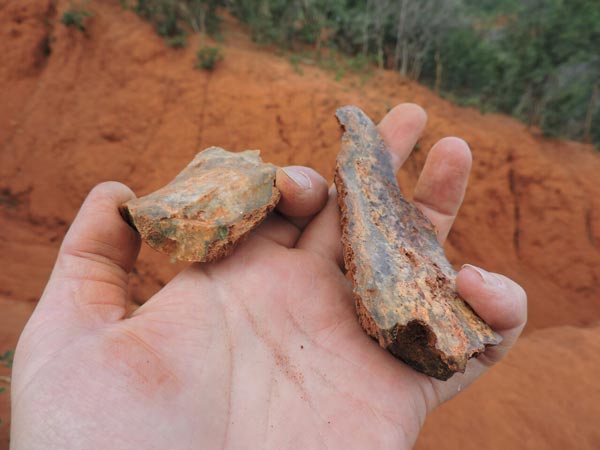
<point>298,177</point>
<point>488,278</point>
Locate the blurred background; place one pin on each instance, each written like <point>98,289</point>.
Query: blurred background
<point>131,90</point>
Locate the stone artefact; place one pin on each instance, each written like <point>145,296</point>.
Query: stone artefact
<point>403,283</point>
<point>208,208</point>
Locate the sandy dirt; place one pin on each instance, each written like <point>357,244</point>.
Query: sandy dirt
<point>116,103</point>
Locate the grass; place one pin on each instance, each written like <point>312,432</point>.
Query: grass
<point>7,359</point>
<point>334,62</point>
<point>75,17</point>
<point>295,62</point>
<point>178,41</point>
<point>208,57</point>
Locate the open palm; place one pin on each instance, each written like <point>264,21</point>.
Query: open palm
<point>259,350</point>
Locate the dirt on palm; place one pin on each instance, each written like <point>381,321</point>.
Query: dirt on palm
<point>115,103</point>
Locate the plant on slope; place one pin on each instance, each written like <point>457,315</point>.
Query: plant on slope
<point>75,17</point>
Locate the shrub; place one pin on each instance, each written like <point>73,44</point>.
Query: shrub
<point>295,62</point>
<point>171,18</point>
<point>75,16</point>
<point>178,41</point>
<point>7,358</point>
<point>164,15</point>
<point>208,57</point>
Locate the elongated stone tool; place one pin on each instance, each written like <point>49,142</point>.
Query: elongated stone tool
<point>403,283</point>
<point>208,208</point>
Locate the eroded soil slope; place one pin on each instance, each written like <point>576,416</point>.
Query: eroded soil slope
<point>115,103</point>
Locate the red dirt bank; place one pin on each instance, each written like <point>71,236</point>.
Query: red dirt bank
<point>118,104</point>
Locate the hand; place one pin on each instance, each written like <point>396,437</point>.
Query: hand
<point>260,350</point>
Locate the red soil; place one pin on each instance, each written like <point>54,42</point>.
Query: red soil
<point>117,104</point>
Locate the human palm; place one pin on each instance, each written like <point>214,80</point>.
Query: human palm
<point>259,350</point>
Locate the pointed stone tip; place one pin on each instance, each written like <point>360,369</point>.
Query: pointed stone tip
<point>344,114</point>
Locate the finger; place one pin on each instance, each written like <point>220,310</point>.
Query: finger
<point>303,193</point>
<point>277,229</point>
<point>400,130</point>
<point>502,304</point>
<point>442,184</point>
<point>97,254</point>
<point>323,235</point>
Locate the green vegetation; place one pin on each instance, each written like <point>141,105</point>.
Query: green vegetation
<point>295,62</point>
<point>163,14</point>
<point>177,41</point>
<point>537,60</point>
<point>207,58</point>
<point>75,16</point>
<point>172,17</point>
<point>334,61</point>
<point>7,358</point>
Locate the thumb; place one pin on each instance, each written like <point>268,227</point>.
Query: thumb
<point>98,252</point>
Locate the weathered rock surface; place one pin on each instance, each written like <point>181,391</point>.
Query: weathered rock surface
<point>208,208</point>
<point>403,283</point>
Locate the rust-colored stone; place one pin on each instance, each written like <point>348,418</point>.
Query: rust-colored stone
<point>208,208</point>
<point>403,283</point>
